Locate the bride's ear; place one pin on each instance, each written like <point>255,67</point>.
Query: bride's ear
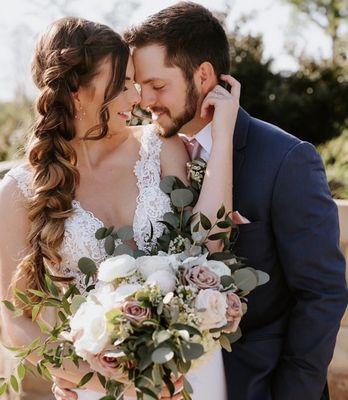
<point>205,77</point>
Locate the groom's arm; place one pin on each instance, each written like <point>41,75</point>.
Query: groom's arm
<point>305,223</point>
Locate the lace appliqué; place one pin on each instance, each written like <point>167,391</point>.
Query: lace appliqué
<point>152,203</point>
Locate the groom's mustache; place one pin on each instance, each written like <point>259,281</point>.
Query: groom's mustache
<point>159,110</point>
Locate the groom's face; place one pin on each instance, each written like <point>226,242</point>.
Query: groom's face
<point>164,90</point>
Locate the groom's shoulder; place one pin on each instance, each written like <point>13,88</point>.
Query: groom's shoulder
<point>270,137</point>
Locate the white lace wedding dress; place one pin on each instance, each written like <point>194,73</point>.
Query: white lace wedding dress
<point>207,380</point>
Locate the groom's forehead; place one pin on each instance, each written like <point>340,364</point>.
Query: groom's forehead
<point>149,63</point>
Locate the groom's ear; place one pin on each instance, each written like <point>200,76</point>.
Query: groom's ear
<point>206,77</point>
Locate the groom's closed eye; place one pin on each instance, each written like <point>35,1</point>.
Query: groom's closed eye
<point>158,87</point>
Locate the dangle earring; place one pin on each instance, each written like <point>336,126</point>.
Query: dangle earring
<point>82,114</point>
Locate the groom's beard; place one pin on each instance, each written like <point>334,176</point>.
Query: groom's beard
<point>189,112</point>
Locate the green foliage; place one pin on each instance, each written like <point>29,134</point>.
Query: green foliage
<point>309,103</point>
<point>335,157</point>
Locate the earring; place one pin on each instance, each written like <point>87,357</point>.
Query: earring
<point>82,114</point>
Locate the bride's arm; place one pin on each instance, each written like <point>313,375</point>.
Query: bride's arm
<point>217,184</point>
<point>21,331</point>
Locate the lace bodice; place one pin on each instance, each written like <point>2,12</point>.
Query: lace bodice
<point>79,240</point>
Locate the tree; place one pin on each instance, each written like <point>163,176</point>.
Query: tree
<point>332,17</point>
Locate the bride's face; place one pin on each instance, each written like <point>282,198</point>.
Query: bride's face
<point>91,99</point>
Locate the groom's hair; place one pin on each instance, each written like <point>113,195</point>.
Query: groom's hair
<point>190,35</point>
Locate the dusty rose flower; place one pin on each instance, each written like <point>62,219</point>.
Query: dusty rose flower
<point>134,312</point>
<point>234,311</point>
<point>107,364</point>
<point>202,277</point>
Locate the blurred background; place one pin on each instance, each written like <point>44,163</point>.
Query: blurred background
<point>291,57</point>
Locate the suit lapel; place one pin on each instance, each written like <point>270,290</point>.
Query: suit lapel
<point>240,142</point>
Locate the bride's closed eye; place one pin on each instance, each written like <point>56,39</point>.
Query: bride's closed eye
<point>158,87</point>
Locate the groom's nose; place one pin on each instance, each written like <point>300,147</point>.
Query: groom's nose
<point>148,98</point>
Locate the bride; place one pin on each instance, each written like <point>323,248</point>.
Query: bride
<point>86,168</point>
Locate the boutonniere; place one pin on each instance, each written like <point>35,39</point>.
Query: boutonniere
<point>196,171</point>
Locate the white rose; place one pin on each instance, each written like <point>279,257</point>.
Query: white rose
<point>218,267</point>
<point>117,267</point>
<point>166,281</point>
<point>89,329</point>
<point>194,261</point>
<point>211,307</point>
<point>147,265</point>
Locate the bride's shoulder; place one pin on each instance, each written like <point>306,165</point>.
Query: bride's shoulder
<point>17,181</point>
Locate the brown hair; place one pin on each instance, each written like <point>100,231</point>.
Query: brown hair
<point>67,56</point>
<point>190,35</point>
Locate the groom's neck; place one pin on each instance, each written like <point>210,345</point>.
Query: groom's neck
<point>194,126</point>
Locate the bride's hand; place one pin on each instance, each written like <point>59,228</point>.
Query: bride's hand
<point>225,104</point>
<point>178,384</point>
<point>61,389</point>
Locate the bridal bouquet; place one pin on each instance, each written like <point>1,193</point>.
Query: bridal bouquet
<point>146,318</point>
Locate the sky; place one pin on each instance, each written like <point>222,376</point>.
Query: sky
<point>21,21</point>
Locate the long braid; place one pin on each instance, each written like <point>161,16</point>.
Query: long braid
<point>66,58</point>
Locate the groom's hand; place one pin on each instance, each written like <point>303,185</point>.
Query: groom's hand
<point>224,105</point>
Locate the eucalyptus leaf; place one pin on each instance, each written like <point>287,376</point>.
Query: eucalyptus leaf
<point>190,329</point>
<point>181,197</point>
<point>234,336</point>
<point>167,183</point>
<point>100,233</point>
<point>187,386</point>
<point>125,233</point>
<point>217,236</point>
<point>245,279</point>
<point>226,281</point>
<point>263,277</point>
<point>162,355</point>
<point>109,245</point>
<point>192,351</point>
<point>87,266</point>
<point>123,249</point>
<point>171,219</point>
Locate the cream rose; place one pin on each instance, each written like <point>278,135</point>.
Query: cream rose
<point>147,265</point>
<point>218,267</point>
<point>211,308</point>
<point>166,281</point>
<point>89,329</point>
<point>117,267</point>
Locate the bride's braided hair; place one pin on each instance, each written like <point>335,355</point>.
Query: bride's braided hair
<point>66,57</point>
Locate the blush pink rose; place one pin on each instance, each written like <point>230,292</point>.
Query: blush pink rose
<point>202,277</point>
<point>106,364</point>
<point>234,311</point>
<point>133,311</point>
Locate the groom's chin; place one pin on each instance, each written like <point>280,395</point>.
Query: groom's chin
<point>166,131</point>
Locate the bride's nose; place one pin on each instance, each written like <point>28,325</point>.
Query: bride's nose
<point>134,96</point>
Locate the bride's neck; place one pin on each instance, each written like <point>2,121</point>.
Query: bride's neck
<point>91,153</point>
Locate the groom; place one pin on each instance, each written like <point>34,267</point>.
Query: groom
<point>280,186</point>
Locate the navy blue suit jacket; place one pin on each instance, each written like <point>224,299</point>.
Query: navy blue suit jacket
<point>290,329</point>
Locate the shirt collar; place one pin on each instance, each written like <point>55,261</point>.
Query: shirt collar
<point>203,137</point>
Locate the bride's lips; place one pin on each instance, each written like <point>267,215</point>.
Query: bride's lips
<point>125,115</point>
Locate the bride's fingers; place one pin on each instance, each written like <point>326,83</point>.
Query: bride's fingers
<point>235,85</point>
<point>63,394</point>
<point>209,101</point>
<point>64,383</point>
